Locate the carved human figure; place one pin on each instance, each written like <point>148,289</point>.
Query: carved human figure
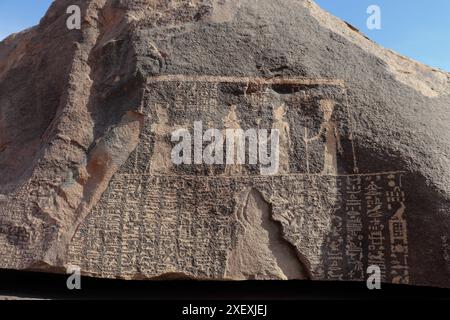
<point>332,138</point>
<point>161,162</point>
<point>232,167</point>
<point>284,145</point>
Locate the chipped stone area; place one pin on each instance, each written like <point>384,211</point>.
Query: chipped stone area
<point>261,240</point>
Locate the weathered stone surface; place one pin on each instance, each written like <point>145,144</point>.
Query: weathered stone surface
<point>86,115</point>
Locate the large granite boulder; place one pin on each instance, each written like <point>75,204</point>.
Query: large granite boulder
<point>87,176</point>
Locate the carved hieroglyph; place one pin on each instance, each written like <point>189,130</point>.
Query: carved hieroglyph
<point>319,217</point>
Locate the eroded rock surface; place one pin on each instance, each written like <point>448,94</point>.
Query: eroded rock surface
<point>86,117</point>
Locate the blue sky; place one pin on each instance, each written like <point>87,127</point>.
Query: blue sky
<point>16,15</point>
<point>419,29</point>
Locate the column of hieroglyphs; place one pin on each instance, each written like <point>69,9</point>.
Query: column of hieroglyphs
<point>154,223</point>
<point>188,233</point>
<point>179,99</point>
<point>113,224</point>
<point>207,97</point>
<point>183,229</point>
<point>223,218</point>
<point>376,229</point>
<point>91,250</point>
<point>152,216</point>
<point>140,221</point>
<point>100,218</point>
<point>335,270</point>
<point>169,211</point>
<point>207,240</point>
<point>354,228</point>
<point>333,196</point>
<point>130,233</point>
<point>195,220</point>
<point>398,232</point>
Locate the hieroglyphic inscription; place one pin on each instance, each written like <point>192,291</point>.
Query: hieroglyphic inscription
<point>158,225</point>
<point>145,227</point>
<point>374,216</point>
<point>160,218</point>
<point>151,225</point>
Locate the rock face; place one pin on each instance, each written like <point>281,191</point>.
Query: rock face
<point>86,172</point>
